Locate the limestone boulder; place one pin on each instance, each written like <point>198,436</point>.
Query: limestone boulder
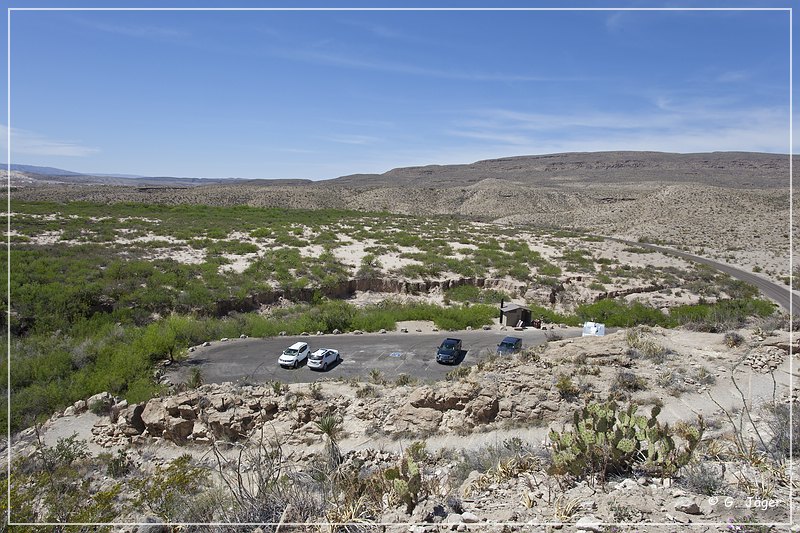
<point>417,420</point>
<point>186,412</point>
<point>100,403</point>
<point>154,417</point>
<point>483,409</point>
<point>222,425</point>
<point>178,429</point>
<point>130,419</point>
<point>455,396</point>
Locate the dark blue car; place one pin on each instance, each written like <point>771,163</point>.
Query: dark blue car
<point>449,351</point>
<point>509,345</point>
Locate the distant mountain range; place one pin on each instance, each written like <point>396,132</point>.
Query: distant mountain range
<point>44,171</point>
<point>722,169</point>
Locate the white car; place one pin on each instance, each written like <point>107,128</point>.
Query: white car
<point>323,358</point>
<point>294,355</point>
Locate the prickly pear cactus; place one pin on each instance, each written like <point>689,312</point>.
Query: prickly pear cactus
<point>605,439</point>
<point>406,482</point>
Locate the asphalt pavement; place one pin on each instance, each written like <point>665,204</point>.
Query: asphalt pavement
<point>256,360</point>
<point>779,294</point>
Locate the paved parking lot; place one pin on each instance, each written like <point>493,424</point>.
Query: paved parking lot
<point>392,353</point>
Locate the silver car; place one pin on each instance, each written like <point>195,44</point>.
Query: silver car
<point>323,358</point>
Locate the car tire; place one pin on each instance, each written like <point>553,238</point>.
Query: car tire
<point>324,367</point>
<point>296,364</point>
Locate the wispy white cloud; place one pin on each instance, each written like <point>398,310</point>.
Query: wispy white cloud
<point>365,123</point>
<point>390,33</point>
<point>328,58</point>
<point>492,136</point>
<point>351,139</point>
<point>141,31</point>
<point>614,21</point>
<point>29,143</point>
<point>379,30</point>
<point>294,150</point>
<point>733,76</point>
<point>690,127</point>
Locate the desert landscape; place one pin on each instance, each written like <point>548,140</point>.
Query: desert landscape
<point>124,289</point>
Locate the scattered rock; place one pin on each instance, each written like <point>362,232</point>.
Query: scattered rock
<point>589,523</point>
<point>79,406</point>
<point>688,506</point>
<point>101,402</point>
<point>428,512</point>
<point>469,518</point>
<point>453,518</point>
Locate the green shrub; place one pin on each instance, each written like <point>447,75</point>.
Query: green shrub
<point>367,391</point>
<point>702,478</point>
<point>721,316</point>
<point>549,269</point>
<point>566,388</point>
<point>166,491</point>
<point>404,379</point>
<point>66,451</point>
<point>195,378</point>
<point>617,313</point>
<point>626,380</point>
<point>471,293</point>
<point>579,260</point>
<point>641,344</point>
<point>117,465</point>
<point>733,339</point>
<point>458,373</point>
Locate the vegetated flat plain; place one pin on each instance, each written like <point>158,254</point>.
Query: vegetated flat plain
<point>728,205</point>
<point>108,281</point>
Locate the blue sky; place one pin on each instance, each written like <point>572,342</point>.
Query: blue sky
<point>318,94</point>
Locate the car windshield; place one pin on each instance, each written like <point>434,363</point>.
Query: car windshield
<point>506,344</point>
<point>448,345</point>
<point>289,351</point>
<point>317,356</point>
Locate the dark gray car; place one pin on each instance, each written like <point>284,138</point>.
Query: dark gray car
<point>509,345</point>
<point>449,351</point>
